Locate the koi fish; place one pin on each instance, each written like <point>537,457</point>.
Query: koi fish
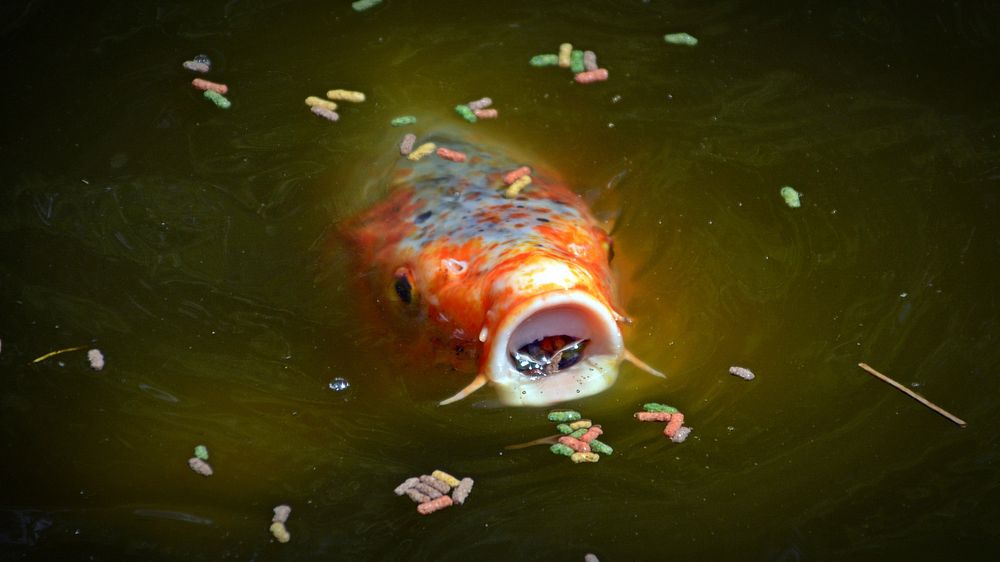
<point>525,282</point>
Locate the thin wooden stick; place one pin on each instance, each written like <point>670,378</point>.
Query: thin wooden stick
<point>59,351</point>
<point>914,395</point>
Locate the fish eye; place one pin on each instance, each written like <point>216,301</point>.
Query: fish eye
<point>611,250</point>
<point>404,285</point>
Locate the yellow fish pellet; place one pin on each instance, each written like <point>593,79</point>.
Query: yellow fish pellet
<point>584,457</point>
<point>579,424</point>
<point>314,101</point>
<point>346,95</point>
<point>565,52</point>
<point>280,532</point>
<point>421,151</point>
<point>515,188</point>
<point>445,477</point>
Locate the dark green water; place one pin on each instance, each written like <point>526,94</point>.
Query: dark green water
<point>192,245</point>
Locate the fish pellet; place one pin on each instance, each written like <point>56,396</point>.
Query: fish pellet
<point>560,449</point>
<point>421,151</point>
<point>445,477</point>
<point>681,435</point>
<point>201,452</point>
<point>280,532</point>
<point>96,359</point>
<point>196,66</point>
<point>462,490</point>
<point>435,483</point>
<point>681,39</point>
<point>591,434</point>
<point>449,154</point>
<point>466,113</point>
<point>589,60</point>
<point>591,558</point>
<point>406,145</point>
<point>515,189</point>
<point>426,490</point>
<point>485,113</point>
<point>657,407</point>
<point>325,113</point>
<point>544,60</point>
<point>403,120</point>
<point>281,513</point>
<point>207,85</point>
<point>584,457</point>
<point>416,496</point>
<point>200,466</point>
<point>743,373</point>
<point>481,103</point>
<point>791,196</point>
<point>601,447</point>
<point>578,433</point>
<point>346,95</point>
<point>218,99</point>
<point>362,5</point>
<point>576,62</point>
<point>653,416</point>
<point>575,444</point>
<point>565,52</point>
<point>586,77</point>
<point>429,507</point>
<point>564,416</point>
<point>316,101</point>
<point>564,428</point>
<point>409,483</point>
<point>513,176</point>
<point>675,423</point>
<point>581,423</point>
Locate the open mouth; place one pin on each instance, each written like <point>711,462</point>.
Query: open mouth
<point>554,347</point>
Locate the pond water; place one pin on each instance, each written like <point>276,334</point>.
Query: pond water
<point>196,248</point>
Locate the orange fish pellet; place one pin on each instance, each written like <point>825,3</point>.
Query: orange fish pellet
<point>490,113</point>
<point>206,85</point>
<point>449,154</point>
<point>676,421</point>
<point>653,416</point>
<point>599,75</point>
<point>513,176</point>
<point>575,444</point>
<point>429,507</point>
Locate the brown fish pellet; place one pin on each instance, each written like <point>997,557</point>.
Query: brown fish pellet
<point>200,466</point>
<point>402,488</point>
<point>406,145</point>
<point>586,77</point>
<point>435,483</point>
<point>462,490</point>
<point>589,60</point>
<point>490,113</point>
<point>429,507</point>
<point>417,496</point>
<point>426,490</point>
<point>653,416</point>
<point>206,85</point>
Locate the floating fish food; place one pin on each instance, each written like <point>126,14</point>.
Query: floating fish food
<point>196,66</point>
<point>438,485</point>
<point>281,513</point>
<point>743,373</point>
<point>481,103</point>
<point>206,85</point>
<point>421,151</point>
<point>201,452</point>
<point>427,508</point>
<point>200,466</point>
<point>511,177</point>
<point>675,423</point>
<point>653,416</point>
<point>600,447</point>
<point>218,99</point>
<point>565,54</point>
<point>316,101</point>
<point>431,492</point>
<point>560,449</point>
<point>681,434</point>
<point>403,121</point>
<point>575,444</point>
<point>362,5</point>
<point>581,423</point>
<point>417,496</point>
<point>564,428</point>
<point>445,477</point>
<point>589,60</point>
<point>406,145</point>
<point>490,113</point>
<point>346,95</point>
<point>675,429</point>
<point>515,188</point>
<point>564,416</point>
<point>406,485</point>
<point>576,62</point>
<point>325,113</point>
<point>96,359</point>
<point>280,532</point>
<point>544,60</point>
<point>680,39</point>
<point>466,113</point>
<point>462,490</point>
<point>426,490</point>
<point>584,457</point>
<point>791,197</point>
<point>656,407</point>
<point>591,434</point>
<point>587,77</point>
<point>453,155</point>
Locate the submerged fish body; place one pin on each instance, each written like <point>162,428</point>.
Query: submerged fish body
<point>499,275</point>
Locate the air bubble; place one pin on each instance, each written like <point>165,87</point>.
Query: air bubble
<point>339,384</point>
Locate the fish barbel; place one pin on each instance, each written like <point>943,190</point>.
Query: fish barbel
<point>505,277</point>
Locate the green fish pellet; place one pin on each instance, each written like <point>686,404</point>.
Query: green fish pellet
<point>201,452</point>
<point>544,60</point>
<point>560,449</point>
<point>218,99</point>
<point>791,196</point>
<point>564,429</point>
<point>654,407</point>
<point>576,62</point>
<point>362,5</point>
<point>403,120</point>
<point>600,447</point>
<point>564,416</point>
<point>466,113</point>
<point>681,39</point>
<point>578,433</point>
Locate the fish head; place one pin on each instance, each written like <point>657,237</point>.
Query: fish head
<point>543,299</point>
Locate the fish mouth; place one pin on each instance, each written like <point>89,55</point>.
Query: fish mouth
<point>572,314</point>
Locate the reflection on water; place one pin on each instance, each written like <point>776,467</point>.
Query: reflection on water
<point>197,249</point>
